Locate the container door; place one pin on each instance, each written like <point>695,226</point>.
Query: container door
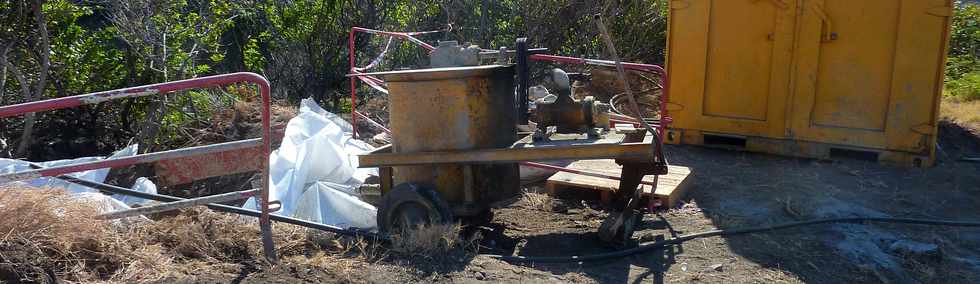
<point>869,72</point>
<point>732,65</point>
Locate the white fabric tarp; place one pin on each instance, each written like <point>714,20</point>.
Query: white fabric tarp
<point>107,203</point>
<point>314,172</point>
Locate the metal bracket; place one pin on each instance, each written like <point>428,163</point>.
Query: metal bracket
<point>940,11</point>
<point>781,4</point>
<point>827,33</point>
<point>679,4</point>
<point>924,129</point>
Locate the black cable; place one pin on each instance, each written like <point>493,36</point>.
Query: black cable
<point>532,259</point>
<point>222,208</point>
<point>661,244</point>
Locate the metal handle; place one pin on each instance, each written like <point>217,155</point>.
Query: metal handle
<point>827,33</point>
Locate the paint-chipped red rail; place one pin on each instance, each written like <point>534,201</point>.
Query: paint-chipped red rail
<point>370,80</point>
<point>161,89</point>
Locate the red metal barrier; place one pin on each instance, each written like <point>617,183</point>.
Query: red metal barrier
<point>160,89</point>
<point>371,80</point>
<point>376,83</point>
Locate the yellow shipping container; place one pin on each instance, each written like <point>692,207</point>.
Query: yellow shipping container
<point>809,78</point>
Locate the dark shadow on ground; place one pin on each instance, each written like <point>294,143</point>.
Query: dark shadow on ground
<point>957,142</point>
<point>585,242</point>
<point>735,190</point>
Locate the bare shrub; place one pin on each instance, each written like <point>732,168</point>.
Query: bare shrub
<point>47,234</point>
<point>539,201</point>
<point>429,240</point>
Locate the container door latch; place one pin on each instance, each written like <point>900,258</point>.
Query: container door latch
<point>827,33</point>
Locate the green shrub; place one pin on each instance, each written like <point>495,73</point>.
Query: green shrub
<point>963,65</point>
<point>966,88</point>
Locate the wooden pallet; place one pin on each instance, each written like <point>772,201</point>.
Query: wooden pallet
<point>670,187</point>
<point>799,148</point>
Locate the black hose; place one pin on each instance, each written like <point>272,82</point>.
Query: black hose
<point>532,259</point>
<point>661,244</point>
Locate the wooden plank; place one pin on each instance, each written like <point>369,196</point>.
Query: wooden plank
<point>560,147</point>
<point>802,149</point>
<point>670,187</point>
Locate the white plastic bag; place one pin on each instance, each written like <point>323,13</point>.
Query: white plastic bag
<point>97,175</point>
<point>105,202</point>
<point>314,172</point>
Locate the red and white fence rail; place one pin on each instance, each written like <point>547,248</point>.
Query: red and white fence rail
<point>256,151</point>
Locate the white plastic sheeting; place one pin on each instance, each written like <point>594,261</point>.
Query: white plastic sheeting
<point>314,172</point>
<point>531,174</point>
<point>107,203</point>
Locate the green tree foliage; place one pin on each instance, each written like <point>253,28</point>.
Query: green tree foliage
<point>300,45</point>
<point>963,65</point>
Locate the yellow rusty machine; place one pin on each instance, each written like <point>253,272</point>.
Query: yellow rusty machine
<point>456,145</point>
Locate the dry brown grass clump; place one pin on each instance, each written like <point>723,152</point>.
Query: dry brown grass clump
<point>244,120</point>
<point>961,112</point>
<point>47,235</point>
<point>204,235</point>
<point>539,201</point>
<point>430,240</point>
<point>605,85</point>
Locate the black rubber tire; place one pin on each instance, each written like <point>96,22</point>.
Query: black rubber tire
<point>409,205</point>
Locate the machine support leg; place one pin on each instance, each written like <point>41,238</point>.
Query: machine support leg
<point>628,184</point>
<point>619,226</point>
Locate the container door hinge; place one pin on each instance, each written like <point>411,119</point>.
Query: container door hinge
<point>940,11</point>
<point>679,4</point>
<point>924,129</point>
<point>782,4</point>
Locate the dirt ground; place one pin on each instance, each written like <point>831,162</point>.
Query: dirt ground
<point>731,190</point>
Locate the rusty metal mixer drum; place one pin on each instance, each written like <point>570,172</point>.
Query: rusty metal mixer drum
<point>448,109</point>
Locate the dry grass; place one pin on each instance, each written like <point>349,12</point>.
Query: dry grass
<point>961,112</point>
<point>343,256</point>
<point>539,201</point>
<point>430,240</point>
<point>47,236</point>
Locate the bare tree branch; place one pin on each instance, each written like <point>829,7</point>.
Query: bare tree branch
<point>3,71</point>
<point>4,151</point>
<point>25,88</point>
<point>45,64</point>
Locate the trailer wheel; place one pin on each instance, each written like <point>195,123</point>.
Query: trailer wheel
<point>410,205</point>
